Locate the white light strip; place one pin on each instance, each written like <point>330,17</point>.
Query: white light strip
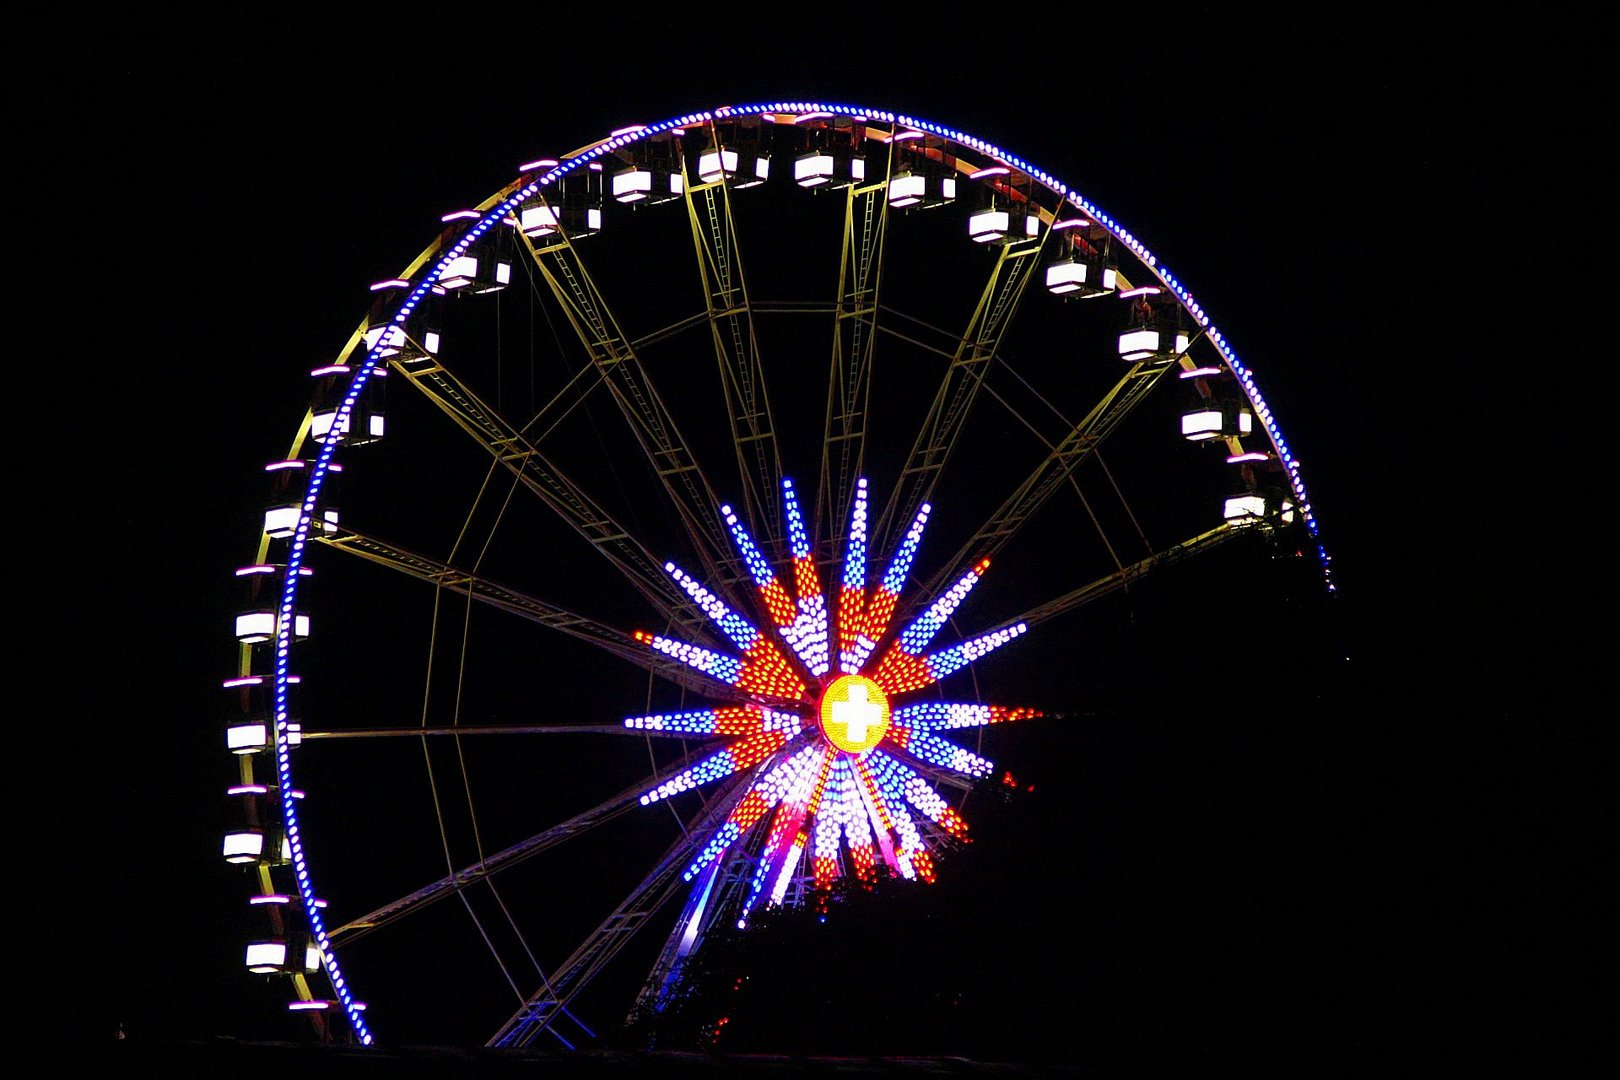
<point>391,283</point>
<point>1145,290</point>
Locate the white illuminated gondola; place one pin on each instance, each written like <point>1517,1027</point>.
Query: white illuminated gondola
<point>254,627</point>
<point>391,341</point>
<point>744,169</point>
<point>1152,344</point>
<point>1084,277</point>
<point>293,955</point>
<point>1245,509</point>
<point>269,847</point>
<point>328,425</point>
<point>1216,421</point>
<point>1003,226</point>
<point>921,189</point>
<point>648,184</point>
<point>476,274</point>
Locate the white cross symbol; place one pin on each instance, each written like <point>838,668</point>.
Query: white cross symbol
<point>856,713</point>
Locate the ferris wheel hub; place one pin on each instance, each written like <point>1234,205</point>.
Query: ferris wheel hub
<point>854,713</point>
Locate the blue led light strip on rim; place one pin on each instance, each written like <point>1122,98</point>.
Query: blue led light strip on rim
<point>495,216</point>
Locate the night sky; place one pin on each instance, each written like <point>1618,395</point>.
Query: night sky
<point>1329,871</point>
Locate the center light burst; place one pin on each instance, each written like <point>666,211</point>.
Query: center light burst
<point>838,762</point>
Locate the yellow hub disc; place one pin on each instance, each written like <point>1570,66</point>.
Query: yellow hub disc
<point>854,713</point>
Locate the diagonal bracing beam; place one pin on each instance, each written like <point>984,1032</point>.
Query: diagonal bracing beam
<point>487,867</point>
<point>545,1004</point>
<point>518,603</point>
<point>513,451</point>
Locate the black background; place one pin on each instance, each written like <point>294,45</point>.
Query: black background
<point>195,223</point>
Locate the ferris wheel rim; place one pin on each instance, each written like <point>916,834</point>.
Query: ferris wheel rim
<point>424,273</point>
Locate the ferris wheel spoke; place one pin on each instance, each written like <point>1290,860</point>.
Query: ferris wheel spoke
<point>843,444</point>
<point>889,328</point>
<point>494,594</point>
<point>1079,443</point>
<point>664,880</point>
<point>1016,265</point>
<point>570,502</point>
<point>656,432</point>
<point>736,348</point>
<point>674,329</point>
<point>499,729</point>
<point>504,859</point>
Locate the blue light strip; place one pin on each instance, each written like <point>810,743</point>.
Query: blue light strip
<point>758,568</point>
<point>894,579</point>
<point>915,638</point>
<point>493,218</point>
<point>855,545</point>
<point>798,541</point>
<point>942,663</point>
<point>727,669</point>
<point>935,750</point>
<point>735,627</point>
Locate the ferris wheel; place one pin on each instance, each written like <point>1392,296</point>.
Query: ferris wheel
<point>724,467</point>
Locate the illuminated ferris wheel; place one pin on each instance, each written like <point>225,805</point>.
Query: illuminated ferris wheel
<point>704,437</point>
